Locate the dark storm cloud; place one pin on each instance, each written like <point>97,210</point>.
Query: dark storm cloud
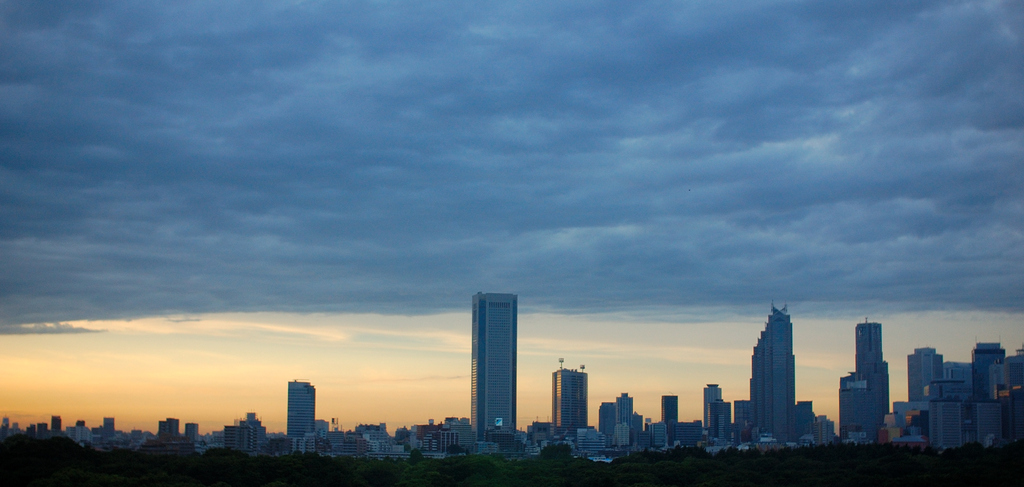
<point>398,157</point>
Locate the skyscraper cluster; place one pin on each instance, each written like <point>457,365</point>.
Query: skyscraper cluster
<point>953,403</point>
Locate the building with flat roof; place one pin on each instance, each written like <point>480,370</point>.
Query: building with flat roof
<point>923,366</point>
<point>301,409</point>
<point>495,330</point>
<point>569,399</point>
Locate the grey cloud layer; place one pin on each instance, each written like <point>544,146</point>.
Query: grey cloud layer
<point>397,158</point>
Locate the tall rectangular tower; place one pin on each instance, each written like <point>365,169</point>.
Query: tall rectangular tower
<point>982,357</point>
<point>923,366</point>
<point>773,378</point>
<point>494,361</point>
<point>864,394</point>
<point>301,409</point>
<point>569,399</point>
<point>712,393</point>
<point>669,409</point>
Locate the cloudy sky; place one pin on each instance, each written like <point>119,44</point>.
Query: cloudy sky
<point>280,174</point>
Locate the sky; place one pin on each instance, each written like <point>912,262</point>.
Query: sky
<point>203,200</point>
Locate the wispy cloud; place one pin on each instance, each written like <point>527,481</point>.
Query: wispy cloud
<point>44,329</point>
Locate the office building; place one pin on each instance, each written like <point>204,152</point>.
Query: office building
<point>720,422</point>
<point>569,399</point>
<point>773,379</point>
<point>107,431</point>
<point>169,426</point>
<point>923,366</point>
<point>741,420</point>
<point>689,433</point>
<point>823,430</point>
<point>495,329</point>
<point>246,435</point>
<point>804,417</point>
<point>192,431</point>
<point>624,409</point>
<point>1011,401</point>
<point>669,409</point>
<point>712,393</point>
<point>301,409</point>
<point>984,356</point>
<point>606,419</point>
<point>864,394</point>
<point>1013,370</point>
<point>55,425</point>
<point>658,434</point>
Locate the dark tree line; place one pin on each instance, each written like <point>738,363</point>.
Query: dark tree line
<point>61,462</point>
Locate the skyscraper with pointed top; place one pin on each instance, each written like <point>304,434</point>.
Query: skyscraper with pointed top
<point>495,331</point>
<point>773,379</point>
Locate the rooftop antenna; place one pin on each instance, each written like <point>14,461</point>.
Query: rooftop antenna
<point>583,367</point>
<point>560,361</point>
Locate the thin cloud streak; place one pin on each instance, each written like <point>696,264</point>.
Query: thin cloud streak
<point>45,329</point>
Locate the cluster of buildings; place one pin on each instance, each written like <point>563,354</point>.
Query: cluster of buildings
<point>950,404</point>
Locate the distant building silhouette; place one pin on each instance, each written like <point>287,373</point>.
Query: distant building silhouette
<point>624,409</point>
<point>169,426</point>
<point>864,394</point>
<point>301,409</point>
<point>669,409</point>
<point>720,422</point>
<point>192,431</point>
<point>495,330</point>
<point>804,417</point>
<point>923,366</point>
<point>984,356</point>
<point>773,378</point>
<point>712,393</point>
<point>247,435</point>
<point>606,419</point>
<point>569,399</point>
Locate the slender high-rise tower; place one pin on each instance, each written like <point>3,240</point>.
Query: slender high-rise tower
<point>864,394</point>
<point>494,361</point>
<point>569,399</point>
<point>712,393</point>
<point>923,366</point>
<point>301,409</point>
<point>773,378</point>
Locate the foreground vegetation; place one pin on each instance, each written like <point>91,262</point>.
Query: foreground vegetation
<point>60,462</point>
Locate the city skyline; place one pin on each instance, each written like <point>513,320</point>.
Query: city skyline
<point>648,395</point>
<point>200,202</point>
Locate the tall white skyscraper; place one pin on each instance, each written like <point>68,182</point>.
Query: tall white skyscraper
<point>494,361</point>
<point>301,408</point>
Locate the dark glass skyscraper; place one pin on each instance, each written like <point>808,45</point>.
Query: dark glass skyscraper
<point>495,328</point>
<point>301,409</point>
<point>864,394</point>
<point>569,399</point>
<point>606,419</point>
<point>984,356</point>
<point>670,409</point>
<point>773,378</point>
